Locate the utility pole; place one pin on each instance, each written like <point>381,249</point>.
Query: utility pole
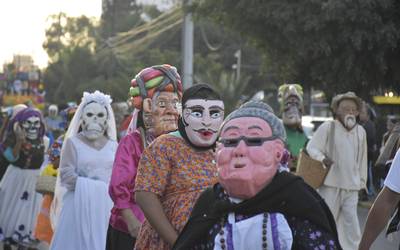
<point>238,55</point>
<point>187,44</point>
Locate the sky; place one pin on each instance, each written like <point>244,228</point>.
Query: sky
<point>23,24</point>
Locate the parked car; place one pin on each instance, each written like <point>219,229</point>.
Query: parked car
<point>311,123</point>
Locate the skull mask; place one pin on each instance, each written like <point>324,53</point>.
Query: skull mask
<point>32,127</point>
<point>94,120</point>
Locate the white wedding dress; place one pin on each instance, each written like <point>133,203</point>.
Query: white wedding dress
<point>86,206</point>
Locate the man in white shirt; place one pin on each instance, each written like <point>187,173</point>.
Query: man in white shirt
<point>347,159</point>
<point>383,206</point>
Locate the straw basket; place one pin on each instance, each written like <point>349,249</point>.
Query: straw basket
<point>46,184</point>
<point>312,171</point>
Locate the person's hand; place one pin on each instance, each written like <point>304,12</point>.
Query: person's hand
<point>19,132</point>
<point>173,240</point>
<point>131,221</point>
<point>133,227</point>
<point>327,162</point>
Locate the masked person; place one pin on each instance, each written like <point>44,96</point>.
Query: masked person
<point>43,229</point>
<point>155,113</point>
<point>11,113</point>
<point>23,149</point>
<point>177,167</point>
<point>85,170</point>
<point>291,100</point>
<point>347,159</point>
<point>254,205</point>
<point>54,123</point>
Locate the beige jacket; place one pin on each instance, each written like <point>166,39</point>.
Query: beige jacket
<point>349,154</point>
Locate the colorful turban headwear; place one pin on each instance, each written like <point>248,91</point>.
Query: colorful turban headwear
<point>152,79</point>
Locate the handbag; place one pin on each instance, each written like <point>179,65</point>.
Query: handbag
<point>312,171</point>
<point>46,184</point>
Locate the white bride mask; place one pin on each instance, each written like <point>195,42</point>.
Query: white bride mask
<point>94,120</point>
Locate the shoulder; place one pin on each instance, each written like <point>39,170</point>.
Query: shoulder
<point>130,140</point>
<point>113,143</point>
<point>166,140</point>
<point>361,130</point>
<point>72,142</point>
<point>326,125</point>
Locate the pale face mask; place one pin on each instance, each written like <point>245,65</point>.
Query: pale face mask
<point>347,113</point>
<point>32,127</point>
<point>94,121</point>
<point>202,120</point>
<point>248,156</point>
<point>53,111</point>
<point>292,112</point>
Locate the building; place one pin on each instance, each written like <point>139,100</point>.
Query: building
<point>23,63</point>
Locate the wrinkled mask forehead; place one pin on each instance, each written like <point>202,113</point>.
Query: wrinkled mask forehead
<point>94,110</point>
<point>246,126</point>
<point>347,106</point>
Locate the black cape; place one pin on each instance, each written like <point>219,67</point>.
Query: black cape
<point>286,194</point>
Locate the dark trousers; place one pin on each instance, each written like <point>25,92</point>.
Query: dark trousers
<point>117,240</point>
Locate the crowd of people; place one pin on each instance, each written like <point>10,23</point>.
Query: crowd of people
<point>179,174</point>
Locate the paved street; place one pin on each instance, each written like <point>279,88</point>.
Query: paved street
<point>381,243</point>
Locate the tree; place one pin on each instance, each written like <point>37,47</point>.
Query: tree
<point>70,43</point>
<point>82,60</point>
<point>66,33</point>
<point>332,45</point>
<point>122,15</point>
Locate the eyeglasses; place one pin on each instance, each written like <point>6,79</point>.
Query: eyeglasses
<point>164,103</point>
<point>250,141</point>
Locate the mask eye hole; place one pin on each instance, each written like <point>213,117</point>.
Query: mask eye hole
<point>233,142</point>
<point>161,104</point>
<point>101,115</point>
<point>254,141</point>
<point>198,113</point>
<point>215,114</point>
<point>89,114</point>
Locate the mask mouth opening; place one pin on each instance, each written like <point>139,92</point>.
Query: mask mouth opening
<point>239,165</point>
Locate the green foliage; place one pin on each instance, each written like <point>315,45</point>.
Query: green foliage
<point>119,16</point>
<point>85,56</point>
<point>70,43</point>
<point>334,45</point>
<point>80,60</point>
<point>66,33</point>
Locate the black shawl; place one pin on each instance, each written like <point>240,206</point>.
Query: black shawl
<point>286,194</point>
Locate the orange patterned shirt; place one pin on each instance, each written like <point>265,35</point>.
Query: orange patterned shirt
<point>177,173</point>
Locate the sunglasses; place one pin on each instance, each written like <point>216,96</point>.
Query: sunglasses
<point>250,141</point>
